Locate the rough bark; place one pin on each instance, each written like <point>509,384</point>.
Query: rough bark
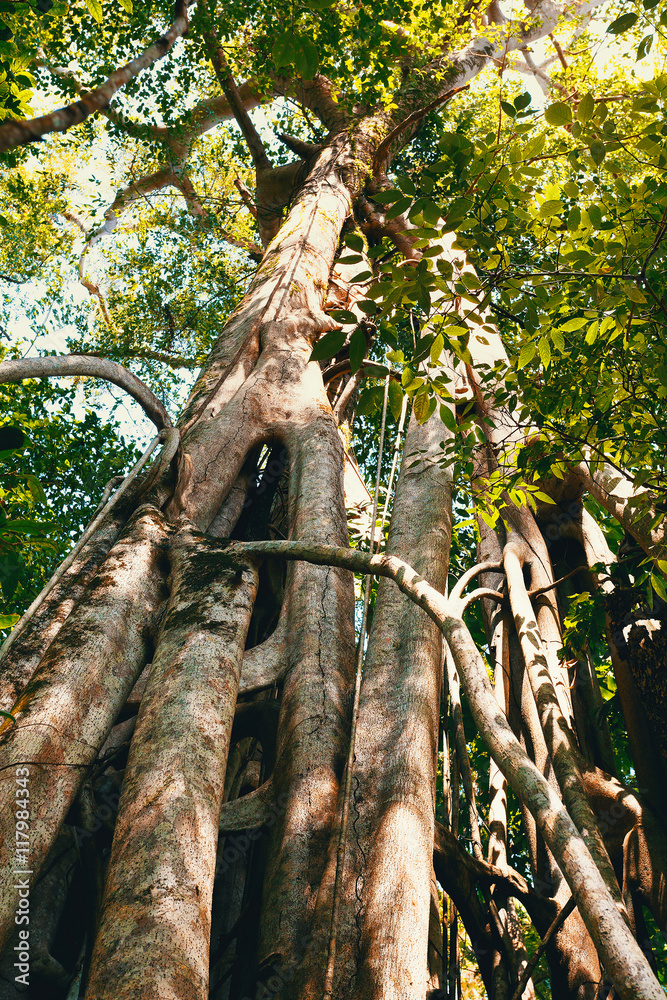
<point>159,885</point>
<point>391,844</point>
<point>68,708</point>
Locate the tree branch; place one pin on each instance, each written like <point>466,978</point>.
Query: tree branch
<point>171,360</point>
<point>250,811</point>
<point>82,364</point>
<point>17,133</point>
<point>230,90</point>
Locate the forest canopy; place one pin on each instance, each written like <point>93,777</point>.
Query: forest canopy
<point>389,279</point>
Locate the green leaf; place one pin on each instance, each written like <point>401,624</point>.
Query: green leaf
<point>658,585</point>
<point>36,490</point>
<point>634,293</point>
<point>95,8</point>
<point>388,197</point>
<point>644,47</point>
<point>592,333</point>
<point>343,316</point>
<point>574,324</point>
<point>283,51</point>
<point>28,526</point>
<point>328,346</point>
<point>11,438</point>
<point>358,348</point>
<point>306,58</point>
<point>448,417</point>
<point>354,241</point>
<point>401,206</point>
<point>522,101</point>
<point>8,621</point>
<point>526,354</point>
<point>126,5</point>
<point>586,108</point>
<point>574,219</point>
<point>369,400</point>
<point>432,213</point>
<point>509,109</point>
<point>395,399</point>
<point>436,348</point>
<point>423,407</point>
<point>598,151</point>
<point>545,351</point>
<point>558,114</point>
<point>622,24</point>
<point>551,208</point>
<point>544,497</point>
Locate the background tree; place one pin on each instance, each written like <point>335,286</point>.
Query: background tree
<point>229,765</point>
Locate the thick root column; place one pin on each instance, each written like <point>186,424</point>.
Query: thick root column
<point>68,708</point>
<point>397,740</point>
<point>160,883</point>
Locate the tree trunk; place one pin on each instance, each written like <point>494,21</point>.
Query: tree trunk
<point>234,644</point>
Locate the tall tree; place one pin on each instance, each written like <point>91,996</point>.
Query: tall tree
<point>203,760</point>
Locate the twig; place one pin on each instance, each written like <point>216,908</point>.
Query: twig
<point>529,967</point>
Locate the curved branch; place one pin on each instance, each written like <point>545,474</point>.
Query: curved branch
<point>81,364</point>
<point>470,574</point>
<point>17,133</point>
<point>480,592</point>
<point>250,811</point>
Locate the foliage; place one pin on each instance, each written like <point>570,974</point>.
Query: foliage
<point>50,485</point>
